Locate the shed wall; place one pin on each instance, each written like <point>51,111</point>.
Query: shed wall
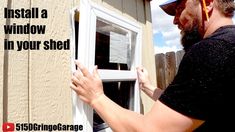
<point>35,83</point>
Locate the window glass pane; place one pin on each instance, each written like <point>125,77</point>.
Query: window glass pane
<point>120,92</point>
<point>115,46</point>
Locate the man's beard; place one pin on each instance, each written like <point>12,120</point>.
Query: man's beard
<point>189,38</point>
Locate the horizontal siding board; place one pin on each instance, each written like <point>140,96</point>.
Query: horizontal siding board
<point>130,9</point>
<point>114,5</point>
<point>140,11</point>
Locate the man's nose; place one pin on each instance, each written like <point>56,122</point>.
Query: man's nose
<point>176,20</point>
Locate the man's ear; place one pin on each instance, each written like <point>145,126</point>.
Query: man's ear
<point>209,5</point>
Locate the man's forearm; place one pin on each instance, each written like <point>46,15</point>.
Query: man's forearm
<point>157,93</point>
<point>118,118</point>
<point>151,91</point>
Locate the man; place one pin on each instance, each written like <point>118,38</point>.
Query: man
<point>199,98</point>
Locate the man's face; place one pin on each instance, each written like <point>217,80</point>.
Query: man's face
<point>187,18</point>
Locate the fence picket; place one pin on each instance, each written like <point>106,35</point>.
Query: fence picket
<point>166,67</point>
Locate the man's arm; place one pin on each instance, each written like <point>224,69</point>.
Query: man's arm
<point>161,118</point>
<point>145,84</point>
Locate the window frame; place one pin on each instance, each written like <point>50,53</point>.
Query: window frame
<point>89,12</point>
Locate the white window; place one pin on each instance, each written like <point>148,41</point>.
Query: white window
<point>113,43</point>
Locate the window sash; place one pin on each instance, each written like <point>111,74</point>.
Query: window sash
<point>117,75</point>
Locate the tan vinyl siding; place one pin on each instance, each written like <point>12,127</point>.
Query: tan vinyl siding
<point>148,54</point>
<point>49,70</point>
<point>2,22</point>
<point>16,73</point>
<point>37,81</point>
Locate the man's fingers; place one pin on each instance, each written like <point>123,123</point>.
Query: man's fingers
<point>77,89</point>
<point>140,69</point>
<point>73,86</point>
<point>95,72</point>
<point>83,69</point>
<point>75,80</point>
<point>78,74</point>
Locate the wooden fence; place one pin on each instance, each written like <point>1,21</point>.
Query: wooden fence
<point>167,66</point>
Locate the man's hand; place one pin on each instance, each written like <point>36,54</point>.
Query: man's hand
<point>145,84</point>
<point>143,77</point>
<point>87,86</point>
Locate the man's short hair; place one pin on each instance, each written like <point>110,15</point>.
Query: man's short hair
<point>226,7</point>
